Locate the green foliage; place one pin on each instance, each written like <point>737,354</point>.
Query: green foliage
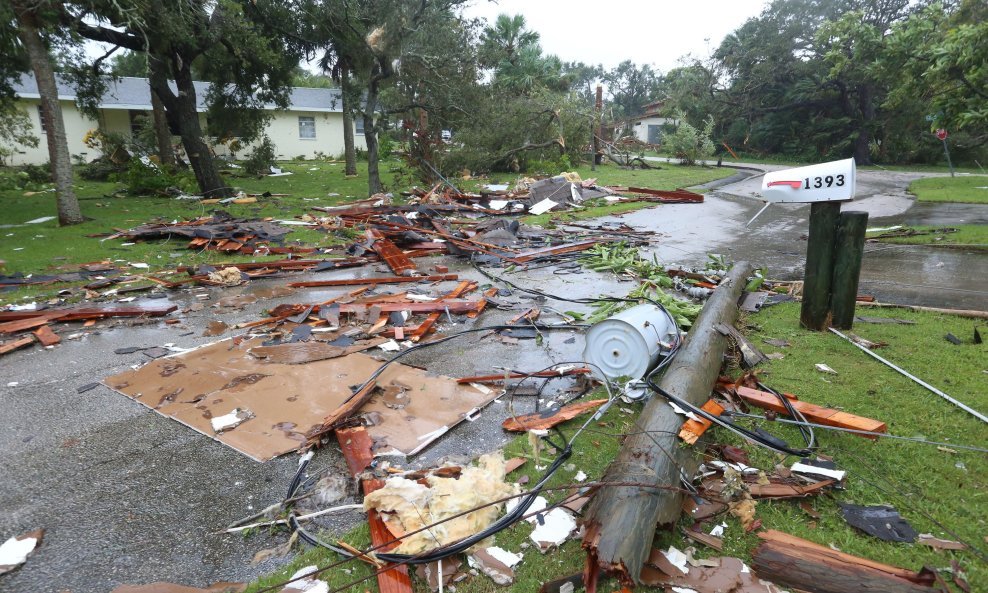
<point>261,158</point>
<point>690,144</point>
<point>98,170</point>
<point>16,129</point>
<point>385,146</point>
<point>632,86</point>
<point>143,177</point>
<point>623,259</point>
<point>36,173</point>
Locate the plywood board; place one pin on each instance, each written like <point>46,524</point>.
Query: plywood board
<point>286,401</point>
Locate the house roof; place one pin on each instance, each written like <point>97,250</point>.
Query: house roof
<point>134,93</point>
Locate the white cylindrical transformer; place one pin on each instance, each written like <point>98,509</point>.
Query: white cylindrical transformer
<point>630,343</point>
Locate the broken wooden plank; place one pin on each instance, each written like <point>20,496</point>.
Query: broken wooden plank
<point>399,263</point>
<point>15,344</point>
<point>12,327</point>
<point>791,561</point>
<point>396,579</point>
<point>693,429</point>
<point>356,445</point>
<point>541,374</point>
<point>46,336</point>
<point>379,280</point>
<point>527,256</point>
<point>425,327</point>
<point>813,413</point>
<point>550,417</point>
<point>349,408</point>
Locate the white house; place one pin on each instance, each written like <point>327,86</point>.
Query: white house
<point>312,123</point>
<point>646,127</point>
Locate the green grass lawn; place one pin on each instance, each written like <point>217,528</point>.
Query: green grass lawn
<point>950,486</point>
<point>967,235</point>
<point>39,248</point>
<point>971,189</point>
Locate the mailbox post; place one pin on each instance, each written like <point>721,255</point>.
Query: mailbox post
<point>825,186</point>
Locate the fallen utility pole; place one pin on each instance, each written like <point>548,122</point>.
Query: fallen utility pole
<point>621,521</point>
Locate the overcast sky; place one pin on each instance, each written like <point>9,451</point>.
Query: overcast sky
<point>610,31</point>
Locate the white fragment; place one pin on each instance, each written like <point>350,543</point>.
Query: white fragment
<point>390,346</point>
<point>306,585</point>
<point>13,384</point>
<point>139,265</point>
<point>40,220</point>
<point>580,476</point>
<point>542,207</point>
<point>505,557</point>
<point>683,412</point>
<point>15,551</point>
<point>802,468</point>
<point>231,420</point>
<point>824,368</point>
<point>677,559</point>
<point>555,528</point>
<point>718,530</point>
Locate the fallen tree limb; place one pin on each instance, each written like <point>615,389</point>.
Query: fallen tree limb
<point>620,523</point>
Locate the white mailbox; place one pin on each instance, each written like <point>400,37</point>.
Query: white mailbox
<point>826,182</point>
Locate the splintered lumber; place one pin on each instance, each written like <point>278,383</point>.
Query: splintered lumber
<point>528,256</point>
<point>396,579</point>
<point>46,336</point>
<point>349,408</point>
<point>399,263</point>
<point>356,445</point>
<point>12,327</point>
<point>813,413</point>
<point>426,326</point>
<point>795,562</point>
<point>15,344</point>
<point>550,417</point>
<point>379,280</point>
<point>694,429</point>
<point>540,374</point>
<point>620,522</point>
<point>677,196</point>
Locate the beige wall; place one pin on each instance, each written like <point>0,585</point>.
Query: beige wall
<point>640,127</point>
<point>76,126</point>
<point>282,129</point>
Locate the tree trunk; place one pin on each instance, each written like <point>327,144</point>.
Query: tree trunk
<point>180,109</point>
<point>349,151</point>
<point>162,133</point>
<point>862,145</point>
<point>370,136</point>
<point>51,111</point>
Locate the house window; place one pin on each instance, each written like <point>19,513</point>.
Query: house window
<point>359,124</point>
<point>306,127</point>
<point>43,120</point>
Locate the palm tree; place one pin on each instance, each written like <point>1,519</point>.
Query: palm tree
<point>505,40</point>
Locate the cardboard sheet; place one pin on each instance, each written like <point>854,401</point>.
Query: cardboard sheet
<point>285,401</point>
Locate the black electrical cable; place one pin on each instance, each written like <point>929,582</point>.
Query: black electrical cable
<point>804,428</point>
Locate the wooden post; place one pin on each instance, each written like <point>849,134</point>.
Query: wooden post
<point>847,267</point>
<point>598,114</point>
<point>824,218</point>
<point>620,523</point>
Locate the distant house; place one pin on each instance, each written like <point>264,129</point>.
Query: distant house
<point>646,127</point>
<point>313,121</point>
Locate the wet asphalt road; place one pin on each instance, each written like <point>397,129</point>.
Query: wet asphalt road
<point>128,496</point>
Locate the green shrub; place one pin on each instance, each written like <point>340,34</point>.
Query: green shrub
<point>690,144</point>
<point>261,158</point>
<point>37,173</point>
<point>143,177</point>
<point>99,170</point>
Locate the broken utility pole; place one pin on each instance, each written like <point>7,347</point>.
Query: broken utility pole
<point>621,521</point>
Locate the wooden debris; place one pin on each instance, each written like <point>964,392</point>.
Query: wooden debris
<point>813,413</point>
<point>399,263</point>
<point>550,417</point>
<point>693,429</point>
<point>15,344</point>
<point>46,336</point>
<point>375,281</point>
<point>795,562</point>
